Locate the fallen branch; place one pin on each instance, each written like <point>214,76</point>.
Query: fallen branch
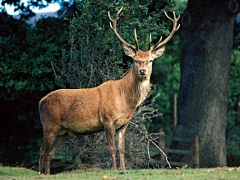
<point>149,139</point>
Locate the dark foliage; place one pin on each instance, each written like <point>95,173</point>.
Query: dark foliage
<point>25,76</point>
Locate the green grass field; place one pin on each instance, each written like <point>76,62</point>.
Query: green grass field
<point>18,173</point>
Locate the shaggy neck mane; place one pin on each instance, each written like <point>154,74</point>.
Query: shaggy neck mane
<point>136,89</point>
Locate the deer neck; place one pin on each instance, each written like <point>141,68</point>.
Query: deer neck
<point>136,89</point>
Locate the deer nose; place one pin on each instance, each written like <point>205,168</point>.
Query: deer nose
<point>142,72</point>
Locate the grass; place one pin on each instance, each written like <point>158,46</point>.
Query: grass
<point>18,173</point>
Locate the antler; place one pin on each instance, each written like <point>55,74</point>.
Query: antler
<point>113,25</point>
<point>175,28</point>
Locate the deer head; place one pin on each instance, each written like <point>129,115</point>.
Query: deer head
<point>143,59</point>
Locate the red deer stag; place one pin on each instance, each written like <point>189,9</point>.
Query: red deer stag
<point>108,107</point>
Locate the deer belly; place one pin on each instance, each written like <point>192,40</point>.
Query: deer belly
<point>82,125</point>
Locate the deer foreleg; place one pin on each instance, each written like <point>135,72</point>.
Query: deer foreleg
<point>110,132</point>
<point>121,145</point>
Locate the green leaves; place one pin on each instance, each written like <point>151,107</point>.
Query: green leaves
<point>26,53</point>
<point>233,128</point>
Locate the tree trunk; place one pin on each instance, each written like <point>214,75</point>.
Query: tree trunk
<point>207,35</point>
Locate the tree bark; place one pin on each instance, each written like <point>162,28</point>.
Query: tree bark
<point>207,36</point>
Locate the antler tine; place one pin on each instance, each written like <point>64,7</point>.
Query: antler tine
<point>175,28</point>
<point>150,41</point>
<point>174,16</point>
<point>114,21</point>
<point>135,35</point>
<point>113,26</point>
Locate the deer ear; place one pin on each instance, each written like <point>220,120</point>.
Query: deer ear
<point>129,51</point>
<point>159,52</point>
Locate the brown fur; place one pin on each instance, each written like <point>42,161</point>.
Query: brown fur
<point>108,107</point>
<point>85,111</point>
<point>142,55</point>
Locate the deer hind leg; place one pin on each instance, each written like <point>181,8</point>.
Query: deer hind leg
<point>57,143</point>
<point>41,159</point>
<point>48,148</point>
<point>110,132</point>
<point>121,145</point>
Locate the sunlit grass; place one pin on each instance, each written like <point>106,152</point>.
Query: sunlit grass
<point>141,174</point>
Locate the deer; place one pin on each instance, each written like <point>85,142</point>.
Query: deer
<point>108,107</point>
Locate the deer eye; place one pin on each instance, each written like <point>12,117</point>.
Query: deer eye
<point>150,60</point>
<point>135,61</point>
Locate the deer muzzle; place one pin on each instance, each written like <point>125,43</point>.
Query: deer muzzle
<point>142,72</point>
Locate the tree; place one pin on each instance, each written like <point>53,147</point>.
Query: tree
<point>207,35</point>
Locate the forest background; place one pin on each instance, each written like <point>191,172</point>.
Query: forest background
<point>38,58</point>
